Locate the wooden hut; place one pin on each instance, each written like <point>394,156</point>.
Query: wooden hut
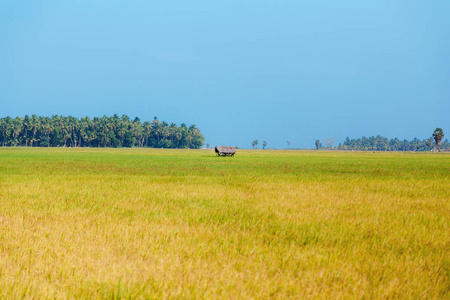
<point>225,150</point>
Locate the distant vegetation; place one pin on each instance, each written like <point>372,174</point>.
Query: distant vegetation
<point>255,144</point>
<point>380,143</point>
<point>115,131</point>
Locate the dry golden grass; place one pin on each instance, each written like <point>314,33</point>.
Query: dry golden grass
<point>114,223</point>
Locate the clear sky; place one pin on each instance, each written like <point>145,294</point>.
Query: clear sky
<point>240,70</point>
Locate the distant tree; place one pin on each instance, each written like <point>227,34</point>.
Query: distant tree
<point>329,142</point>
<point>264,144</point>
<point>318,145</point>
<point>429,143</point>
<point>255,144</point>
<point>446,145</point>
<point>438,135</point>
<point>207,146</point>
<point>288,144</point>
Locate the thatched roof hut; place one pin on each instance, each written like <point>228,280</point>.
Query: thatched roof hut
<point>225,150</point>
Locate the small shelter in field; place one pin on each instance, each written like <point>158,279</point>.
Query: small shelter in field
<point>225,150</point>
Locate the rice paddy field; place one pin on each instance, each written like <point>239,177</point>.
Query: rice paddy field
<point>162,224</point>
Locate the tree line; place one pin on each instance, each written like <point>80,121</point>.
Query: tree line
<point>380,143</point>
<point>115,131</point>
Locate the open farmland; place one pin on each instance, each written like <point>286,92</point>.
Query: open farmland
<point>113,223</point>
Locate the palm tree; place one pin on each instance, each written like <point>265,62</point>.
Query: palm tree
<point>2,132</point>
<point>147,131</point>
<point>26,128</point>
<point>264,144</point>
<point>35,124</point>
<point>318,144</point>
<point>17,129</point>
<point>178,136</point>
<point>139,133</point>
<point>438,135</point>
<point>6,127</point>
<point>46,129</point>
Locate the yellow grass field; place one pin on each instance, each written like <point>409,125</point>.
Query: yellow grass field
<point>134,223</point>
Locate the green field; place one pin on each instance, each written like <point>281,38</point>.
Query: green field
<point>133,223</point>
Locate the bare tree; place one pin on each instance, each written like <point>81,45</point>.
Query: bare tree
<point>329,142</point>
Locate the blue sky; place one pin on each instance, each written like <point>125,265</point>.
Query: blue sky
<point>240,70</point>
